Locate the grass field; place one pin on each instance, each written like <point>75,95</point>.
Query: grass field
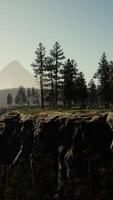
<point>33,110</point>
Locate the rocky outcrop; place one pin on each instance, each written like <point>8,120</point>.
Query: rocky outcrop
<point>56,157</point>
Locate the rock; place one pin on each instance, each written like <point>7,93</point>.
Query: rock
<point>56,157</point>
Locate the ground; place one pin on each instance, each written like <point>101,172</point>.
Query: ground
<point>33,110</point>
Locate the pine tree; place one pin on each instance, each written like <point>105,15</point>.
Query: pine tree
<point>33,92</point>
<point>81,89</point>
<point>92,92</point>
<point>36,97</point>
<point>57,56</point>
<point>111,80</point>
<point>103,76</point>
<point>9,99</point>
<point>33,95</point>
<point>49,80</point>
<point>69,73</point>
<point>38,67</point>
<point>21,97</point>
<point>28,95</point>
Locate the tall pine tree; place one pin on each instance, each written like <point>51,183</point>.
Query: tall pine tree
<point>39,67</point>
<point>69,73</point>
<point>49,80</point>
<point>103,76</point>
<point>57,56</point>
<point>111,80</point>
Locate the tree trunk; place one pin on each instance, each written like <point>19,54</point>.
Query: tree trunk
<point>56,86</point>
<point>41,91</point>
<point>52,93</point>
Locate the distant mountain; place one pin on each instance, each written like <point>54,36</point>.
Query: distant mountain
<point>14,75</point>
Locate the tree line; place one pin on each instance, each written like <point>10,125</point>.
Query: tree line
<point>61,82</point>
<point>24,97</point>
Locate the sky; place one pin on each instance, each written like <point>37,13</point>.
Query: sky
<point>84,28</point>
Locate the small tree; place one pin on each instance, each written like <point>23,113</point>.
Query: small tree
<point>38,67</point>
<point>92,92</point>
<point>33,92</point>
<point>36,100</point>
<point>28,95</point>
<point>81,89</point>
<point>21,97</point>
<point>34,96</point>
<point>9,99</point>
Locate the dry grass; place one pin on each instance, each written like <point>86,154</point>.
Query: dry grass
<point>33,110</point>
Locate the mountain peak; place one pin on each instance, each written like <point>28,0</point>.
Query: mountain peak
<point>14,74</point>
<point>14,65</point>
<point>16,62</point>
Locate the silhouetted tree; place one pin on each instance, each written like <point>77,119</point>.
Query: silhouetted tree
<point>57,56</point>
<point>81,89</point>
<point>21,97</point>
<point>49,81</point>
<point>33,92</point>
<point>69,73</point>
<point>111,80</point>
<point>36,100</point>
<point>92,92</point>
<point>28,95</point>
<point>39,67</point>
<point>103,76</point>
<point>9,99</point>
<point>34,96</point>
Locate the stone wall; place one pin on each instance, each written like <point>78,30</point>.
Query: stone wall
<point>56,157</point>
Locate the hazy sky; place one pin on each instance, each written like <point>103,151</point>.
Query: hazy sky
<point>83,27</point>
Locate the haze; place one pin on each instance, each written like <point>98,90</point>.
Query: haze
<point>83,27</point>
<point>15,75</point>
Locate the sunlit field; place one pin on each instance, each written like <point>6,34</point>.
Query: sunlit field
<point>34,110</point>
